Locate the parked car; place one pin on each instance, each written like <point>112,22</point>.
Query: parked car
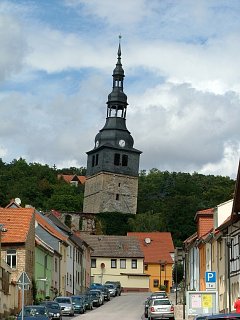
<point>106,292</point>
<point>118,285</point>
<point>79,304</point>
<point>88,301</point>
<point>33,312</point>
<point>154,295</point>
<point>160,308</point>
<point>100,294</point>
<point>218,316</point>
<point>112,289</point>
<point>66,305</point>
<point>96,298</point>
<point>53,308</point>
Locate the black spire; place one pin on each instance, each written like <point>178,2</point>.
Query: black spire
<point>117,100</point>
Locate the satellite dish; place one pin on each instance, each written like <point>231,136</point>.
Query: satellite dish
<point>147,240</point>
<point>17,201</point>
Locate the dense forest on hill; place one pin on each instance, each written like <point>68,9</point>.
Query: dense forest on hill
<point>167,201</point>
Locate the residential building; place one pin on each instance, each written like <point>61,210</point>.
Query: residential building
<point>117,258</point>
<point>158,252</point>
<point>113,163</point>
<point>18,245</point>
<point>73,179</point>
<point>48,232</point>
<point>77,277</point>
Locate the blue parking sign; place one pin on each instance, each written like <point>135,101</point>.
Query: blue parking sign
<point>210,276</point>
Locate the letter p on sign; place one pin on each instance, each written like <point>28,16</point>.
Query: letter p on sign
<point>210,276</point>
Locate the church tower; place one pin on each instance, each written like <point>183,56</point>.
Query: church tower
<point>113,163</point>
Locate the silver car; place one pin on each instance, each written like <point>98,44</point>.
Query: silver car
<point>160,309</point>
<point>66,305</point>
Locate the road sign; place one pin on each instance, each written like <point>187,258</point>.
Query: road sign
<point>23,279</point>
<point>210,276</point>
<point>210,285</point>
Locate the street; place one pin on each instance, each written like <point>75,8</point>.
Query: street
<point>128,306</point>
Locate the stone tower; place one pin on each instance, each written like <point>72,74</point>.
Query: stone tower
<point>113,163</point>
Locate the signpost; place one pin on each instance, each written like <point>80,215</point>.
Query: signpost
<point>23,283</point>
<point>210,277</point>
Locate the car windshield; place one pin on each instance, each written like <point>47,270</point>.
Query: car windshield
<point>76,299</point>
<point>37,311</point>
<point>63,300</point>
<point>161,302</point>
<point>52,305</point>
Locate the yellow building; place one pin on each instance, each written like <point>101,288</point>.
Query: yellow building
<point>158,252</point>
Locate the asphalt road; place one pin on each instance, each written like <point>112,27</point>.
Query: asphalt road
<point>129,306</point>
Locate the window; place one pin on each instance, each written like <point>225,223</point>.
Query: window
<point>70,280</point>
<point>156,283</point>
<point>96,159</point>
<point>67,278</point>
<point>119,184</point>
<point>146,267</point>
<point>116,159</point>
<point>134,263</point>
<point>93,263</point>
<point>12,258</point>
<point>56,264</point>
<point>113,263</point>
<point>162,267</point>
<point>117,196</point>
<point>122,263</point>
<point>93,161</point>
<point>124,160</point>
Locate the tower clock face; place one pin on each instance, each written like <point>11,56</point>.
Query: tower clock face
<point>122,143</point>
<point>97,144</point>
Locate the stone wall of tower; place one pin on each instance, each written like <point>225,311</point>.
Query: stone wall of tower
<point>109,192</point>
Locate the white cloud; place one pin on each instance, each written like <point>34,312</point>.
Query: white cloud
<point>13,46</point>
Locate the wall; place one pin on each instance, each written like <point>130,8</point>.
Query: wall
<point>129,278</point>
<point>101,190</point>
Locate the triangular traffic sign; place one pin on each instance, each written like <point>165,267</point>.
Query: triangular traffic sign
<point>24,279</point>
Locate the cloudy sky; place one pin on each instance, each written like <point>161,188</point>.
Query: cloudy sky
<point>182,79</point>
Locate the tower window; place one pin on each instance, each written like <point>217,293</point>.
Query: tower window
<point>117,196</point>
<point>124,160</point>
<point>93,161</point>
<point>96,159</point>
<point>119,184</point>
<point>116,159</point>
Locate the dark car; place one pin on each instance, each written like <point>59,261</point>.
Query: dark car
<point>34,312</point>
<point>96,298</point>
<point>118,285</point>
<point>79,304</point>
<point>88,301</point>
<point>53,308</point>
<point>218,316</point>
<point>106,292</point>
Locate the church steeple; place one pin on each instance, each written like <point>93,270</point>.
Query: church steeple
<point>117,99</point>
<point>113,163</point>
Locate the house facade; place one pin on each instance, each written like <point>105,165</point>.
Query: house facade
<point>158,252</point>
<point>117,258</point>
<point>19,251</point>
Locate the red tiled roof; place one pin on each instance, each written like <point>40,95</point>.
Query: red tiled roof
<point>40,219</point>
<point>159,248</point>
<point>17,222</point>
<point>72,177</point>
